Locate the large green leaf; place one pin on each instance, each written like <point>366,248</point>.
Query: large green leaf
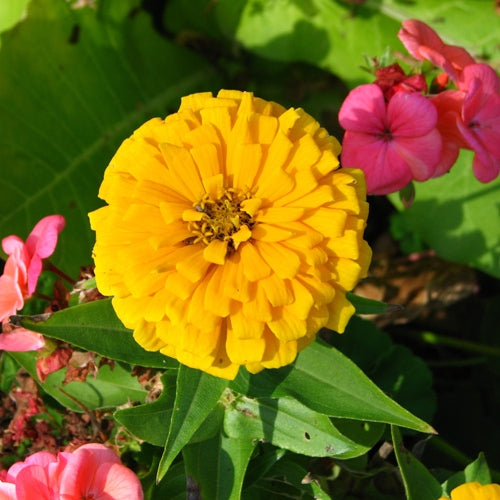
<point>326,381</point>
<point>95,327</point>
<point>196,395</point>
<point>74,83</point>
<point>333,34</point>
<point>112,387</point>
<point>457,216</point>
<point>218,466</point>
<point>419,483</point>
<point>288,424</point>
<point>11,12</point>
<point>394,368</point>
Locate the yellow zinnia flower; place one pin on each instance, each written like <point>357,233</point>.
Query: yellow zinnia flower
<point>230,236</point>
<point>475,491</point>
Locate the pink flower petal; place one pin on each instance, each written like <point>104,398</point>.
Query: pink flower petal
<point>421,154</point>
<point>486,172</point>
<point>33,479</point>
<point>13,245</point>
<point>95,470</point>
<point>490,82</point>
<point>384,171</point>
<point>117,481</point>
<point>41,244</point>
<point>7,491</point>
<point>42,240</point>
<point>364,110</point>
<point>21,340</point>
<point>422,42</point>
<point>11,298</point>
<point>414,34</point>
<point>410,115</point>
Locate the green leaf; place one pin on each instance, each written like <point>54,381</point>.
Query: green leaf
<point>288,424</point>
<point>326,381</point>
<point>419,483</point>
<point>333,34</point>
<point>196,395</point>
<point>218,465</point>
<point>366,306</point>
<point>476,471</point>
<point>457,216</point>
<point>112,387</point>
<point>150,422</point>
<point>11,12</point>
<point>95,327</point>
<point>394,368</point>
<point>66,105</point>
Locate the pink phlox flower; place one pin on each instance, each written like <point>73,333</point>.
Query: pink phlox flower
<point>392,142</point>
<point>20,277</point>
<point>94,471</point>
<point>39,245</point>
<point>11,284</point>
<point>423,43</point>
<point>449,108</point>
<point>480,119</point>
<point>38,475</point>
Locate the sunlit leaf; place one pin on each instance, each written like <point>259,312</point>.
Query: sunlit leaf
<point>112,387</point>
<point>326,381</point>
<point>288,424</point>
<point>332,34</point>
<point>456,216</point>
<point>95,327</point>
<point>196,395</point>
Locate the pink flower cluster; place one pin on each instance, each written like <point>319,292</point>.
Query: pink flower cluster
<point>397,134</point>
<point>20,277</point>
<point>91,471</point>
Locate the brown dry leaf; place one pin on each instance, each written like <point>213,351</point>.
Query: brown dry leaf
<point>420,283</point>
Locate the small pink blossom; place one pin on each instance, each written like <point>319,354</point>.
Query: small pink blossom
<point>20,277</point>
<point>39,245</point>
<point>394,142</point>
<point>91,471</point>
<point>480,119</point>
<point>423,43</point>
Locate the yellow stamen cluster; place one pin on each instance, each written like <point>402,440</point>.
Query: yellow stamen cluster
<point>220,219</point>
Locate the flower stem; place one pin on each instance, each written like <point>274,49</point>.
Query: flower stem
<point>50,267</point>
<point>464,345</point>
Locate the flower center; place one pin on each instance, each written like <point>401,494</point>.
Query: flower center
<point>220,219</point>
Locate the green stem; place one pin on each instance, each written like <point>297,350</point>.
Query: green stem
<point>464,345</point>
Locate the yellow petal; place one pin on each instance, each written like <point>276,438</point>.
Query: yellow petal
<point>341,311</point>
<point>216,252</point>
<point>270,233</point>
<point>254,266</point>
<point>280,259</point>
<point>288,327</point>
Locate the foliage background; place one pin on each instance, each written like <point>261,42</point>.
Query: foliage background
<point>76,78</point>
